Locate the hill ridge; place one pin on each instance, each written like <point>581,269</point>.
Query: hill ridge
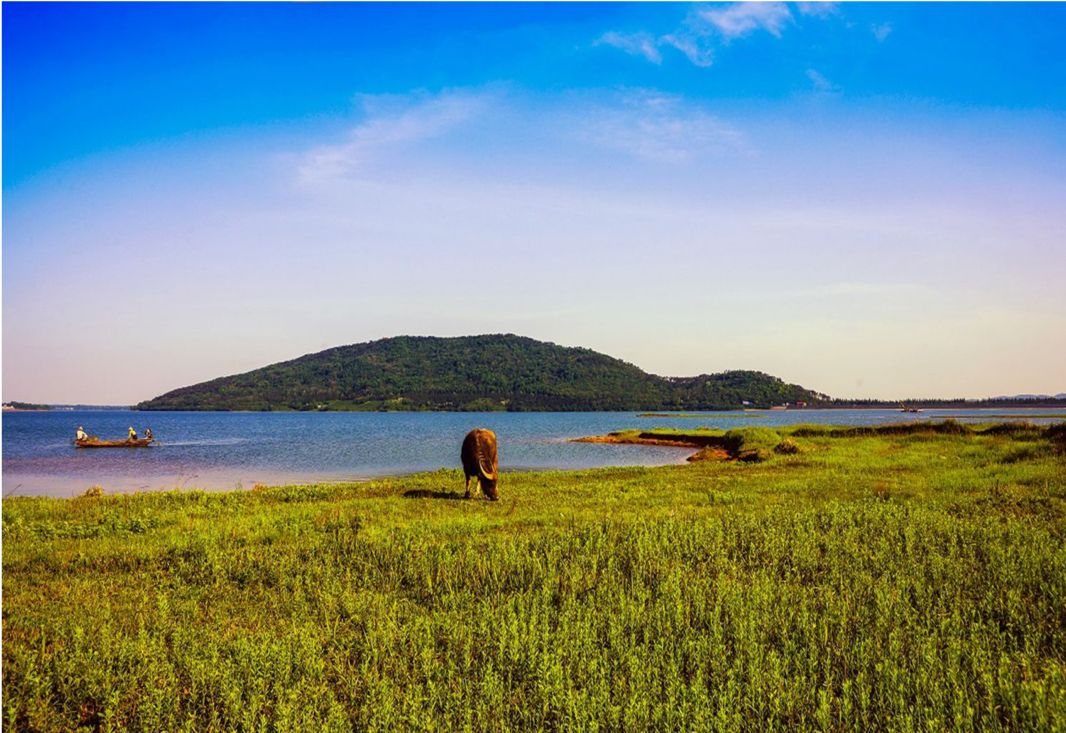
<point>485,372</point>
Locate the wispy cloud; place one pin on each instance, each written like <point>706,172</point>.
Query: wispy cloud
<point>818,10</point>
<point>881,31</point>
<point>698,51</point>
<point>391,121</point>
<point>740,19</point>
<point>637,44</point>
<point>659,127</point>
<point>867,289</point>
<point>708,27</point>
<point>401,134</point>
<point>821,84</point>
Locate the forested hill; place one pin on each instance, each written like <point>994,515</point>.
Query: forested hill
<point>498,372</point>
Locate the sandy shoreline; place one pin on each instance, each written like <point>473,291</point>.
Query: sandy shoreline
<point>59,487</point>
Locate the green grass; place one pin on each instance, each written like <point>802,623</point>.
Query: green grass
<point>873,581</point>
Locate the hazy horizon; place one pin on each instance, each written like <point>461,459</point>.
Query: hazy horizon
<point>863,199</point>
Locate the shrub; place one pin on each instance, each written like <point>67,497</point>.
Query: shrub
<point>1057,434</point>
<point>754,455</point>
<point>1025,453</point>
<point>786,447</point>
<point>742,439</point>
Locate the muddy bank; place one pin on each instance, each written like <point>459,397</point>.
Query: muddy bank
<point>635,440</point>
<point>708,447</point>
<point>747,444</point>
<point>711,454</point>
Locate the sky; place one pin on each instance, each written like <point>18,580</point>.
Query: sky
<point>865,199</point>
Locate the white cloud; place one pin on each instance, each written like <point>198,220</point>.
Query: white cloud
<point>636,44</point>
<point>740,19</point>
<point>881,31</point>
<point>821,84</point>
<point>391,121</point>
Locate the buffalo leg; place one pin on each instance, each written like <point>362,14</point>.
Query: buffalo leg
<point>467,488</point>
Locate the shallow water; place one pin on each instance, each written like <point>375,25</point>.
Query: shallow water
<point>227,450</point>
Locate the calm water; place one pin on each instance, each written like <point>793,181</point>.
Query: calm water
<point>219,450</point>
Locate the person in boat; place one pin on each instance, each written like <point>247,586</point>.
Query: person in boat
<point>133,434</point>
<point>147,433</point>
<point>81,434</point>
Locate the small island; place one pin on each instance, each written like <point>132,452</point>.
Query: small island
<point>486,373</point>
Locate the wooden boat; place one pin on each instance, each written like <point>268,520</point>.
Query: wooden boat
<point>94,442</point>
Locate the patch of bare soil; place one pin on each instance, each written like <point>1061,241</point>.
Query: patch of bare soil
<point>710,454</point>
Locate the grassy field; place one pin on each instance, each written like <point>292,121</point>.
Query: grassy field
<point>871,581</point>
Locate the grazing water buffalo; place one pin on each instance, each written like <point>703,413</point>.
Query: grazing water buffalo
<point>479,460</point>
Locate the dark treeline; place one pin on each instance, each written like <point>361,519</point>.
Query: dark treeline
<point>953,403</point>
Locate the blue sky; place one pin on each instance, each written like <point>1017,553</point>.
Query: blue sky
<point>863,198</point>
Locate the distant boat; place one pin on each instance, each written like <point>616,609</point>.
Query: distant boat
<point>904,408</point>
<point>95,442</point>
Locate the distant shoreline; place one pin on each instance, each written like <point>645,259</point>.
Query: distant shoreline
<point>69,408</point>
<point>1059,405</point>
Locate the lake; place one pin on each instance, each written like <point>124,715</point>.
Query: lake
<point>233,450</point>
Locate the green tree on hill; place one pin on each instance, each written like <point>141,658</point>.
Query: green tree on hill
<point>497,372</point>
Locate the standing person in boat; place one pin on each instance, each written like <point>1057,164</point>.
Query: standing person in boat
<point>81,435</point>
<point>133,434</point>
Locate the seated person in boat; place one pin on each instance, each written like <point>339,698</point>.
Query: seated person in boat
<point>147,433</point>
<point>133,433</point>
<point>81,434</point>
